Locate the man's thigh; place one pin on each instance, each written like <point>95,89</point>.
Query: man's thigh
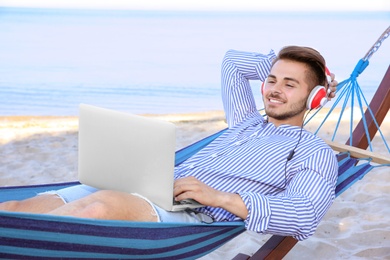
<point>39,204</point>
<point>108,204</point>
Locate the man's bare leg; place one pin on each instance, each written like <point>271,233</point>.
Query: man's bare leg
<point>39,204</point>
<point>107,204</point>
<point>100,205</point>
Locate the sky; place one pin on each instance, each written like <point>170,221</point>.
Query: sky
<point>203,5</point>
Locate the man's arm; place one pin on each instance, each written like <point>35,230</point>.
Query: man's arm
<point>299,209</point>
<point>295,212</point>
<point>238,68</point>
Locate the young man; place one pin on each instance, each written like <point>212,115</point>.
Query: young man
<point>269,172</point>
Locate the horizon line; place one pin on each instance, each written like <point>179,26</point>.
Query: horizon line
<point>205,5</point>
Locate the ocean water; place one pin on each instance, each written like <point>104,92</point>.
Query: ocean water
<point>52,60</point>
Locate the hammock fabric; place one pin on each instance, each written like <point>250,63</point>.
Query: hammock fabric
<point>44,236</point>
<point>24,235</point>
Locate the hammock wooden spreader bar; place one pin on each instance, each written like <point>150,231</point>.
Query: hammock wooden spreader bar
<point>358,152</point>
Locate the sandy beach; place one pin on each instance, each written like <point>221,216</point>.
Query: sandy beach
<point>37,150</point>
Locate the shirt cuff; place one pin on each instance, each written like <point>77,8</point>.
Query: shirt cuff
<point>259,211</point>
<point>263,68</point>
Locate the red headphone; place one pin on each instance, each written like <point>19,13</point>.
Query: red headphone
<point>317,97</point>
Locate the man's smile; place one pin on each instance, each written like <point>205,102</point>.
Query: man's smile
<point>275,101</point>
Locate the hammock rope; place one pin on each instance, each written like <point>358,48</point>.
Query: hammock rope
<point>350,91</point>
<point>377,44</point>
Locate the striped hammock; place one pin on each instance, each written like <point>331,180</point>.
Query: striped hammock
<point>24,235</point>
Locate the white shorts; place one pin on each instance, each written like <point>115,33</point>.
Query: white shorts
<point>79,191</point>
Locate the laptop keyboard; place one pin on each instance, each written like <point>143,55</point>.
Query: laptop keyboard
<point>185,202</point>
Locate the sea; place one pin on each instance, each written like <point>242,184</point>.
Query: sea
<point>160,62</point>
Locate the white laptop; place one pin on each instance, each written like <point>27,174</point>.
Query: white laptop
<point>130,153</point>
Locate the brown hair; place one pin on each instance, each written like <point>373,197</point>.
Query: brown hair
<point>309,56</point>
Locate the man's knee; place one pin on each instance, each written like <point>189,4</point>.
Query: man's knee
<point>103,204</point>
<point>108,204</point>
<point>97,210</point>
<point>99,205</point>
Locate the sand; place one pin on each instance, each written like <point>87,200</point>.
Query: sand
<point>38,150</point>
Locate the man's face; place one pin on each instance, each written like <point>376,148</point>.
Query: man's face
<point>285,93</point>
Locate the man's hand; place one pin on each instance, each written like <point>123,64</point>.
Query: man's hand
<point>192,188</point>
<point>332,87</point>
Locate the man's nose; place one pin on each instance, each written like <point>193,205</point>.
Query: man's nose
<point>276,87</point>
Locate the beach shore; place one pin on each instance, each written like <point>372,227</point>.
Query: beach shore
<point>38,150</point>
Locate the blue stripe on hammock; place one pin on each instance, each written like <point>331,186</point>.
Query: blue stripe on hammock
<point>81,250</point>
<point>349,173</point>
<point>103,251</point>
<point>189,151</point>
<point>98,245</point>
<point>116,229</point>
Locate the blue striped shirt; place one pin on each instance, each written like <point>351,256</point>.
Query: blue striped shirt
<point>282,197</point>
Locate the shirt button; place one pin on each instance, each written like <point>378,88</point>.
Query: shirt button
<point>191,166</point>
<point>237,143</point>
<point>214,155</point>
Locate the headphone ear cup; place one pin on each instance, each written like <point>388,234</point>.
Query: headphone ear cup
<point>317,98</point>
